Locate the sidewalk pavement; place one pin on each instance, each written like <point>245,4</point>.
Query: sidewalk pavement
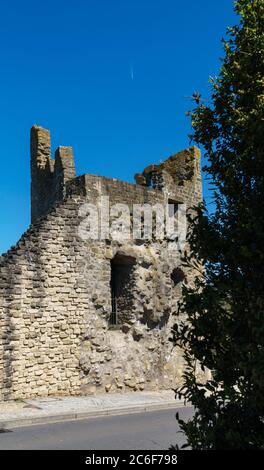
<point>50,410</point>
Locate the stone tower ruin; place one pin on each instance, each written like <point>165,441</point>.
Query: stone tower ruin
<point>82,315</point>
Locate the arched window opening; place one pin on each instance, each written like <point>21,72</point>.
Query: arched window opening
<point>177,276</point>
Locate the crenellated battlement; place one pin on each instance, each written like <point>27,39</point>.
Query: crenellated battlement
<point>177,179</point>
<point>48,176</point>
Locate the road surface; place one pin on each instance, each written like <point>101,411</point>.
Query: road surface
<point>145,431</point>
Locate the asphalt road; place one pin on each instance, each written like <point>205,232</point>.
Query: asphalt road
<point>145,431</point>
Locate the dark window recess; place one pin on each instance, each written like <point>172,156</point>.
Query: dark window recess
<point>173,207</point>
<point>122,287</point>
<point>177,276</point>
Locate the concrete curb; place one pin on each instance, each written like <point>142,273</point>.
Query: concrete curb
<point>60,417</point>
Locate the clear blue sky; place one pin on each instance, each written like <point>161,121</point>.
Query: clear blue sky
<point>111,78</point>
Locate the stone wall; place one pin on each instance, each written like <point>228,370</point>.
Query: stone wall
<point>55,290</point>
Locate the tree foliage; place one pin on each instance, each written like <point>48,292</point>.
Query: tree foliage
<point>224,331</point>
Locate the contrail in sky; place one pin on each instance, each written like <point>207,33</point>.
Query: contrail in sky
<point>132,72</point>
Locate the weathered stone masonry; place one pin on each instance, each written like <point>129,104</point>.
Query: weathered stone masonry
<point>56,290</point>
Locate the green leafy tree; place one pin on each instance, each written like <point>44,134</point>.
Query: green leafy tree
<point>224,330</point>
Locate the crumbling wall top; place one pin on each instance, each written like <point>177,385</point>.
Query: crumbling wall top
<point>182,167</point>
<point>177,176</point>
